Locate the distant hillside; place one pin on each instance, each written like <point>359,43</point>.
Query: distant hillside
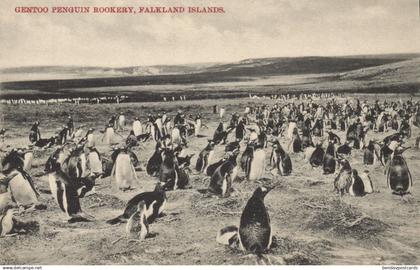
<point>248,67</point>
<point>382,73</point>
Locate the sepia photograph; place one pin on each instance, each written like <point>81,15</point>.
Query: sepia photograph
<point>209,133</point>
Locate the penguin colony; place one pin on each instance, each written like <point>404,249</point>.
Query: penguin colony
<point>75,165</point>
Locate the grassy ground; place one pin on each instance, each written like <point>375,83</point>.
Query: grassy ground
<point>311,224</point>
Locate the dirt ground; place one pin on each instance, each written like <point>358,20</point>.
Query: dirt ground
<point>311,224</point>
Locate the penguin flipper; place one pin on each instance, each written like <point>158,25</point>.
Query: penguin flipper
<point>119,219</point>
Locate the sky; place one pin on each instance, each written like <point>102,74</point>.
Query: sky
<point>247,29</point>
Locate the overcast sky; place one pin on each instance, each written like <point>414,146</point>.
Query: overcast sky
<point>248,29</point>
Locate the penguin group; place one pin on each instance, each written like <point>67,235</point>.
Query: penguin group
<point>327,135</point>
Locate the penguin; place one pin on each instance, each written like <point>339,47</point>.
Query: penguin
<point>123,170</point>
<point>155,202</point>
<point>369,154</point>
<point>306,137</point>
<point>21,186</point>
<point>7,221</point>
<point>317,156</point>
<point>296,142</point>
<point>176,136</point>
<point>256,166</point>
<point>329,163</point>
<point>182,169</point>
<point>255,233</point>
<point>137,226</point>
<point>5,195</point>
<point>221,180</point>
<point>367,182</point>
<point>109,136</point>
<point>283,163</point>
<point>228,236</point>
<point>344,179</point>
<point>357,187</point>
<point>399,178</point>
<point>205,157</point>
<point>63,186</point>
<point>95,162</point>
<point>167,171</point>
<point>232,146</point>
<point>155,161</point>
<point>137,127</point>
<point>121,121</point>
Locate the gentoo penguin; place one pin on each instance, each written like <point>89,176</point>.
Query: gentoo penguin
<point>256,166</point>
<point>5,195</point>
<point>205,157</point>
<point>137,226</point>
<point>137,127</point>
<point>197,125</point>
<point>399,178</point>
<point>94,161</point>
<point>283,163</point>
<point>328,164</point>
<point>21,186</point>
<point>182,169</point>
<point>356,188</point>
<point>155,202</point>
<point>123,170</point>
<point>109,136</point>
<point>306,137</point>
<point>64,187</point>
<point>167,171</point>
<point>221,180</point>
<point>121,121</point>
<point>7,221</point>
<point>369,154</point>
<point>344,179</point>
<point>155,161</point>
<point>367,182</point>
<point>317,156</point>
<point>255,234</point>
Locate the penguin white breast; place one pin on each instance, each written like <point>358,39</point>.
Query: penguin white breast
<point>27,163</point>
<point>22,191</point>
<point>257,165</point>
<point>5,199</point>
<point>137,128</point>
<point>52,180</point>
<point>95,163</point>
<point>124,174</point>
<point>367,183</point>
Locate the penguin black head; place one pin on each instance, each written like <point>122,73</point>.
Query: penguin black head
<point>262,191</point>
<point>355,173</point>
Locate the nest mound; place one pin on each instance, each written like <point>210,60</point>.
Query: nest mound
<point>97,200</point>
<point>334,215</point>
<point>208,204</point>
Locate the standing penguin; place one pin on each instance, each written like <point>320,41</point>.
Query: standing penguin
<point>155,161</point>
<point>283,163</point>
<point>317,156</point>
<point>356,188</point>
<point>21,186</point>
<point>369,154</point>
<point>255,233</point>
<point>109,136</point>
<point>367,182</point>
<point>137,226</point>
<point>137,127</point>
<point>155,202</point>
<point>256,166</point>
<point>329,159</point>
<point>344,179</point>
<point>399,178</point>
<point>121,121</point>
<point>123,170</point>
<point>64,187</point>
<point>28,157</point>
<point>94,161</point>
<point>205,157</point>
<point>7,221</point>
<point>221,180</point>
